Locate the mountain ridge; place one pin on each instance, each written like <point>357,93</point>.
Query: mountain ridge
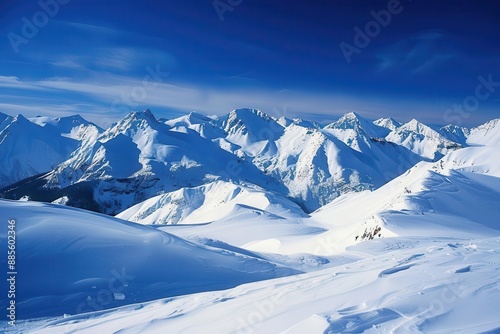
<point>140,156</point>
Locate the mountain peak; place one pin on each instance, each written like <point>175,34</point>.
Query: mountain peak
<point>490,124</point>
<point>20,119</point>
<point>72,120</point>
<point>141,115</point>
<point>353,121</point>
<point>388,123</point>
<point>416,126</point>
<point>75,118</point>
<point>132,122</point>
<point>347,121</point>
<point>195,117</point>
<point>245,126</point>
<point>246,118</point>
<point>351,115</point>
<point>245,112</point>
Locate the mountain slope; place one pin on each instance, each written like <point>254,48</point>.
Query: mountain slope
<point>207,203</point>
<point>75,126</point>
<point>389,123</point>
<point>32,146</point>
<point>422,140</point>
<point>73,261</point>
<point>443,197</point>
<point>137,158</point>
<point>457,196</point>
<point>4,121</point>
<point>27,149</point>
<point>237,214</point>
<point>485,134</point>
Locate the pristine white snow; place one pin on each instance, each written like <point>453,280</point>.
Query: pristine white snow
<point>400,285</point>
<point>207,203</point>
<point>486,134</point>
<point>422,140</point>
<point>72,261</point>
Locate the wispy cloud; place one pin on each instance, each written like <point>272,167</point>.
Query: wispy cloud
<point>112,59</point>
<point>416,54</point>
<point>68,62</point>
<point>13,82</point>
<point>94,100</point>
<point>84,47</point>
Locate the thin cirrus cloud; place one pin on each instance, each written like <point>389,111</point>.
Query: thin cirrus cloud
<point>118,59</point>
<point>418,53</point>
<point>106,50</point>
<point>112,59</point>
<point>102,101</point>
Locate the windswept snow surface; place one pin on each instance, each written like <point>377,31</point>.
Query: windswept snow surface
<point>396,285</point>
<point>72,261</point>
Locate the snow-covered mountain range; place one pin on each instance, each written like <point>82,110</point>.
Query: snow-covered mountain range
<point>33,146</point>
<point>141,157</point>
<point>252,224</point>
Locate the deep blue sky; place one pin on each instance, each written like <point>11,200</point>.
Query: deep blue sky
<point>281,56</point>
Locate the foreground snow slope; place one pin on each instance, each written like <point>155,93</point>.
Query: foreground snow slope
<point>73,261</point>
<point>398,285</point>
